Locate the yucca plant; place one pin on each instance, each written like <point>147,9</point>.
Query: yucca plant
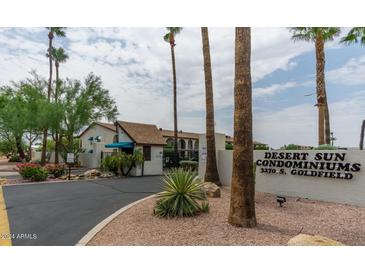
<point>183,195</point>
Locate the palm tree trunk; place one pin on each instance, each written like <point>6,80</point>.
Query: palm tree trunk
<point>321,96</point>
<point>211,171</point>
<point>56,147</point>
<point>242,205</point>
<point>45,132</point>
<point>362,135</point>
<point>172,45</point>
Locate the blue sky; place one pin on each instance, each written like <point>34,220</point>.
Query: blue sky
<point>135,66</point>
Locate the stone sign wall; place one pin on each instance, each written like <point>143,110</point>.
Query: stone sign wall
<point>331,175</point>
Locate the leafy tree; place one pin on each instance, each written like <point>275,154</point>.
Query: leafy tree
<point>319,36</point>
<point>81,104</point>
<point>7,147</point>
<point>242,205</point>
<point>211,172</point>
<point>23,109</point>
<point>52,32</point>
<point>170,38</point>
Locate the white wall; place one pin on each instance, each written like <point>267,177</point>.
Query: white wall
<point>153,167</point>
<point>96,130</point>
<point>220,144</point>
<point>317,188</point>
<point>122,136</point>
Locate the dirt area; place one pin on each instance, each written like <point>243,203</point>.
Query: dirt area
<point>6,166</point>
<point>138,226</point>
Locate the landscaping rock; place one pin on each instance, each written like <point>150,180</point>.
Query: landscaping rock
<point>92,173</point>
<point>3,181</point>
<point>106,175</point>
<point>212,190</point>
<point>312,240</point>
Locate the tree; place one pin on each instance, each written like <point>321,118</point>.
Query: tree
<point>59,32</point>
<point>211,171</point>
<point>59,56</point>
<point>242,204</point>
<point>23,109</point>
<point>170,38</point>
<point>319,36</point>
<point>355,35</point>
<point>81,104</point>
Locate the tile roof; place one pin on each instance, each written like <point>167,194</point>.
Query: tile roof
<point>110,126</point>
<point>180,134</point>
<point>143,134</point>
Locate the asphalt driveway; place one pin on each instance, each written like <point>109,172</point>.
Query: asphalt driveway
<point>62,213</point>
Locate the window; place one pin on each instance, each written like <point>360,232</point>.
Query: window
<point>147,153</point>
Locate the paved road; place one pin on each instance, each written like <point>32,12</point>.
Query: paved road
<point>62,213</point>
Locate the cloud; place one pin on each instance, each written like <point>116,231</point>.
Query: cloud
<point>352,73</point>
<point>273,89</point>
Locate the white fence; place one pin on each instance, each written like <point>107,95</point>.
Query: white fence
<point>333,175</point>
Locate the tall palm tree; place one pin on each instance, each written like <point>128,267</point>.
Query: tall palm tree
<point>319,36</point>
<point>211,171</point>
<point>356,35</point>
<point>59,56</point>
<point>59,32</point>
<point>242,205</point>
<point>170,38</point>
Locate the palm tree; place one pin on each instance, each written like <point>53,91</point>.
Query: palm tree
<point>59,56</point>
<point>170,38</point>
<point>242,205</point>
<point>355,35</point>
<point>211,171</point>
<point>319,36</point>
<point>59,32</point>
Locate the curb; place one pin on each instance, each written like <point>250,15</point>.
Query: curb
<point>96,229</point>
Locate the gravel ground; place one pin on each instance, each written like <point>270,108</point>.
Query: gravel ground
<point>138,226</point>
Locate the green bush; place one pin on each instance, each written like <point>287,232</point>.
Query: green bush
<point>33,172</point>
<point>325,147</point>
<point>183,195</point>
<point>39,174</point>
<point>122,163</point>
<point>189,165</point>
<point>229,146</point>
<point>14,159</point>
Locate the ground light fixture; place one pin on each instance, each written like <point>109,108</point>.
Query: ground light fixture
<point>280,200</point>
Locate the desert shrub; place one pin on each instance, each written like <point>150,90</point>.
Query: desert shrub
<point>189,165</point>
<point>39,174</point>
<point>33,172</point>
<point>325,147</point>
<point>122,162</point>
<point>110,163</point>
<point>183,195</point>
<point>57,170</point>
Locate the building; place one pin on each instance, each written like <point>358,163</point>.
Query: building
<point>97,132</point>
<point>144,137</point>
<point>256,145</point>
<point>187,142</point>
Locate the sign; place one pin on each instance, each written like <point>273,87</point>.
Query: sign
<point>70,158</point>
<point>331,165</point>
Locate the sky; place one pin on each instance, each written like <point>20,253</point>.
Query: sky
<point>135,65</point>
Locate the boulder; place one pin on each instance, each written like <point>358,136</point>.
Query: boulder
<point>92,173</point>
<point>3,181</point>
<point>106,175</point>
<point>212,190</point>
<point>312,240</point>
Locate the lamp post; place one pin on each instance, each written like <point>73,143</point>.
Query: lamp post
<point>332,139</point>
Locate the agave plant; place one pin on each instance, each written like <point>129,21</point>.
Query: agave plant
<point>183,195</point>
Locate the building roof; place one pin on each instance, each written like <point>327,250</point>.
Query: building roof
<point>143,134</point>
<point>180,134</point>
<point>109,126</point>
